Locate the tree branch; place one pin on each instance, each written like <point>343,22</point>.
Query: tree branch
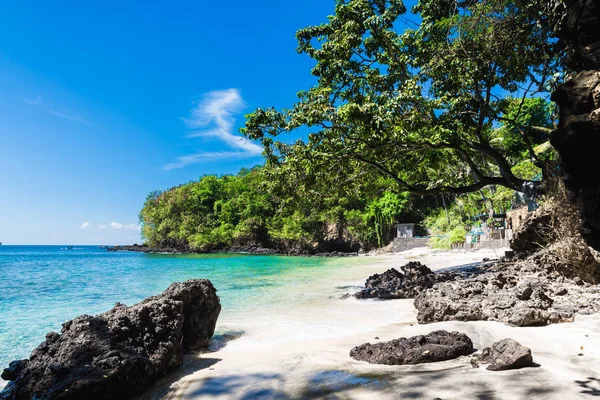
<point>438,190</point>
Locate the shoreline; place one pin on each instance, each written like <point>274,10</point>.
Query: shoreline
<point>301,351</point>
<point>251,250</point>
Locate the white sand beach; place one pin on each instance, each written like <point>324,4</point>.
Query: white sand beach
<point>301,349</point>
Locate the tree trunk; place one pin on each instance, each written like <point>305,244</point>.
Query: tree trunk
<point>577,138</point>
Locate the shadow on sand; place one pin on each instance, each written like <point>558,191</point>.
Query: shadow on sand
<point>591,386</point>
<point>191,363</point>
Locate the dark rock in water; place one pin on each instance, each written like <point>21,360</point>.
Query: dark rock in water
<point>14,369</point>
<point>252,249</point>
<point>116,354</point>
<point>335,254</point>
<point>248,249</point>
<point>433,347</point>
<point>393,284</point>
<point>506,354</point>
<point>137,248</point>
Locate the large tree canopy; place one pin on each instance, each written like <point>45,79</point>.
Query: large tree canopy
<point>445,105</point>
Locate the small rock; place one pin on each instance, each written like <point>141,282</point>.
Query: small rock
<point>580,354</point>
<point>506,354</point>
<point>578,281</point>
<point>561,292</point>
<point>524,293</point>
<point>474,362</point>
<point>436,346</point>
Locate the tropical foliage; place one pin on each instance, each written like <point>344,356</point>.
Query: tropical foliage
<point>421,105</point>
<point>250,208</point>
<point>453,106</point>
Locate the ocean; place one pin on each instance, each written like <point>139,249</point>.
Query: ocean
<point>44,286</point>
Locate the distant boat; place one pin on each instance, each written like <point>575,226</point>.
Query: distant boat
<point>0,243</point>
<point>70,248</point>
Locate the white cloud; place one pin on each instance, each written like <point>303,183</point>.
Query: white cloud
<point>67,116</point>
<point>205,156</point>
<point>116,225</point>
<point>38,102</point>
<point>85,225</point>
<point>214,118</point>
<point>133,227</point>
<point>35,102</point>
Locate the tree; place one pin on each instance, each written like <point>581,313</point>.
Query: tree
<point>254,208</point>
<point>420,107</point>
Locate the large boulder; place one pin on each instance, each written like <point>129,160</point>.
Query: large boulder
<point>116,354</point>
<point>412,279</point>
<point>506,354</point>
<point>433,347</point>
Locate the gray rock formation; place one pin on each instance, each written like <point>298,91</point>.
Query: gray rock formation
<point>116,354</point>
<point>435,346</point>
<point>524,293</point>
<point>506,354</point>
<point>412,279</point>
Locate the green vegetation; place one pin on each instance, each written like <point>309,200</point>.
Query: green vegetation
<point>249,209</point>
<point>451,106</point>
<point>401,115</point>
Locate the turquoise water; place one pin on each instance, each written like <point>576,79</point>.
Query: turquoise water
<point>44,286</point>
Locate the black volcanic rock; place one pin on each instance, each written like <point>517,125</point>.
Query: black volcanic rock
<point>506,354</point>
<point>412,279</point>
<point>116,354</point>
<point>143,248</point>
<point>433,347</point>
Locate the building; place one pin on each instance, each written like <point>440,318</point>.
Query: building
<point>405,230</point>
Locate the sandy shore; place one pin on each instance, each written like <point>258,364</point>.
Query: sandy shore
<point>301,350</point>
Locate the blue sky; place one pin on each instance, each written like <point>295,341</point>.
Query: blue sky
<point>102,103</point>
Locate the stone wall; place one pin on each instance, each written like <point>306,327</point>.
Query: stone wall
<point>518,216</point>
